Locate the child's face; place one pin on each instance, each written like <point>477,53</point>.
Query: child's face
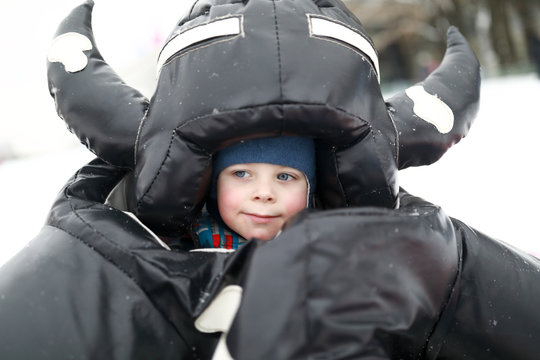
<point>256,199</point>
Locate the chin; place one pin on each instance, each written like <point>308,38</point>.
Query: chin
<point>265,236</point>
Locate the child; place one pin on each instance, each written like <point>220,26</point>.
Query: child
<point>378,274</point>
<point>257,186</point>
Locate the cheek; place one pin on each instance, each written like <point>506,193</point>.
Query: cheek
<point>228,199</point>
<point>296,202</point>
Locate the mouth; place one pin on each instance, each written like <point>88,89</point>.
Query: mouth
<point>261,219</point>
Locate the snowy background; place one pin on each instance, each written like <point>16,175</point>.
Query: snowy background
<point>489,180</point>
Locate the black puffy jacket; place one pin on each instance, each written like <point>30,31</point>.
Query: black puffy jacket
<point>356,283</point>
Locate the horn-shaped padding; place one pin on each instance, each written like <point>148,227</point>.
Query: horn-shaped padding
<point>435,114</point>
<point>90,97</point>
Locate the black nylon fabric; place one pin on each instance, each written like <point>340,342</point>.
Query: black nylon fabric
<point>418,143</point>
<point>96,93</point>
<point>387,284</point>
<point>95,284</point>
<point>63,300</point>
<point>351,284</point>
<point>497,315</point>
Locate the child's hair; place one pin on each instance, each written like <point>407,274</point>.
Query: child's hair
<point>291,151</point>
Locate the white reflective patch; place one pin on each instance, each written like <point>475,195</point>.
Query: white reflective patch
<point>219,315</point>
<point>320,27</point>
<point>218,28</point>
<point>68,49</point>
<point>431,109</point>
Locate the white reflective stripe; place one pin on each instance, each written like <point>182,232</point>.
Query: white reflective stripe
<point>213,250</point>
<point>331,29</point>
<point>158,240</point>
<point>431,109</point>
<point>223,27</point>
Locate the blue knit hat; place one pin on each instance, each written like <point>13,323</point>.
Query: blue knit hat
<point>295,152</point>
<point>291,151</point>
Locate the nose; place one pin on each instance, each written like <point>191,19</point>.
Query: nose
<point>264,192</point>
<point>264,197</point>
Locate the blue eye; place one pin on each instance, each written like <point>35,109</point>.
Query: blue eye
<point>240,173</point>
<point>285,177</point>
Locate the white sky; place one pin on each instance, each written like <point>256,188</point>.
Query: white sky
<point>125,31</point>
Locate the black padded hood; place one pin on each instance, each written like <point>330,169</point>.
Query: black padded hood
<point>237,70</point>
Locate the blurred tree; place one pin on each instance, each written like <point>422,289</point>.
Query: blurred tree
<point>410,34</point>
<point>529,11</point>
<point>501,37</point>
